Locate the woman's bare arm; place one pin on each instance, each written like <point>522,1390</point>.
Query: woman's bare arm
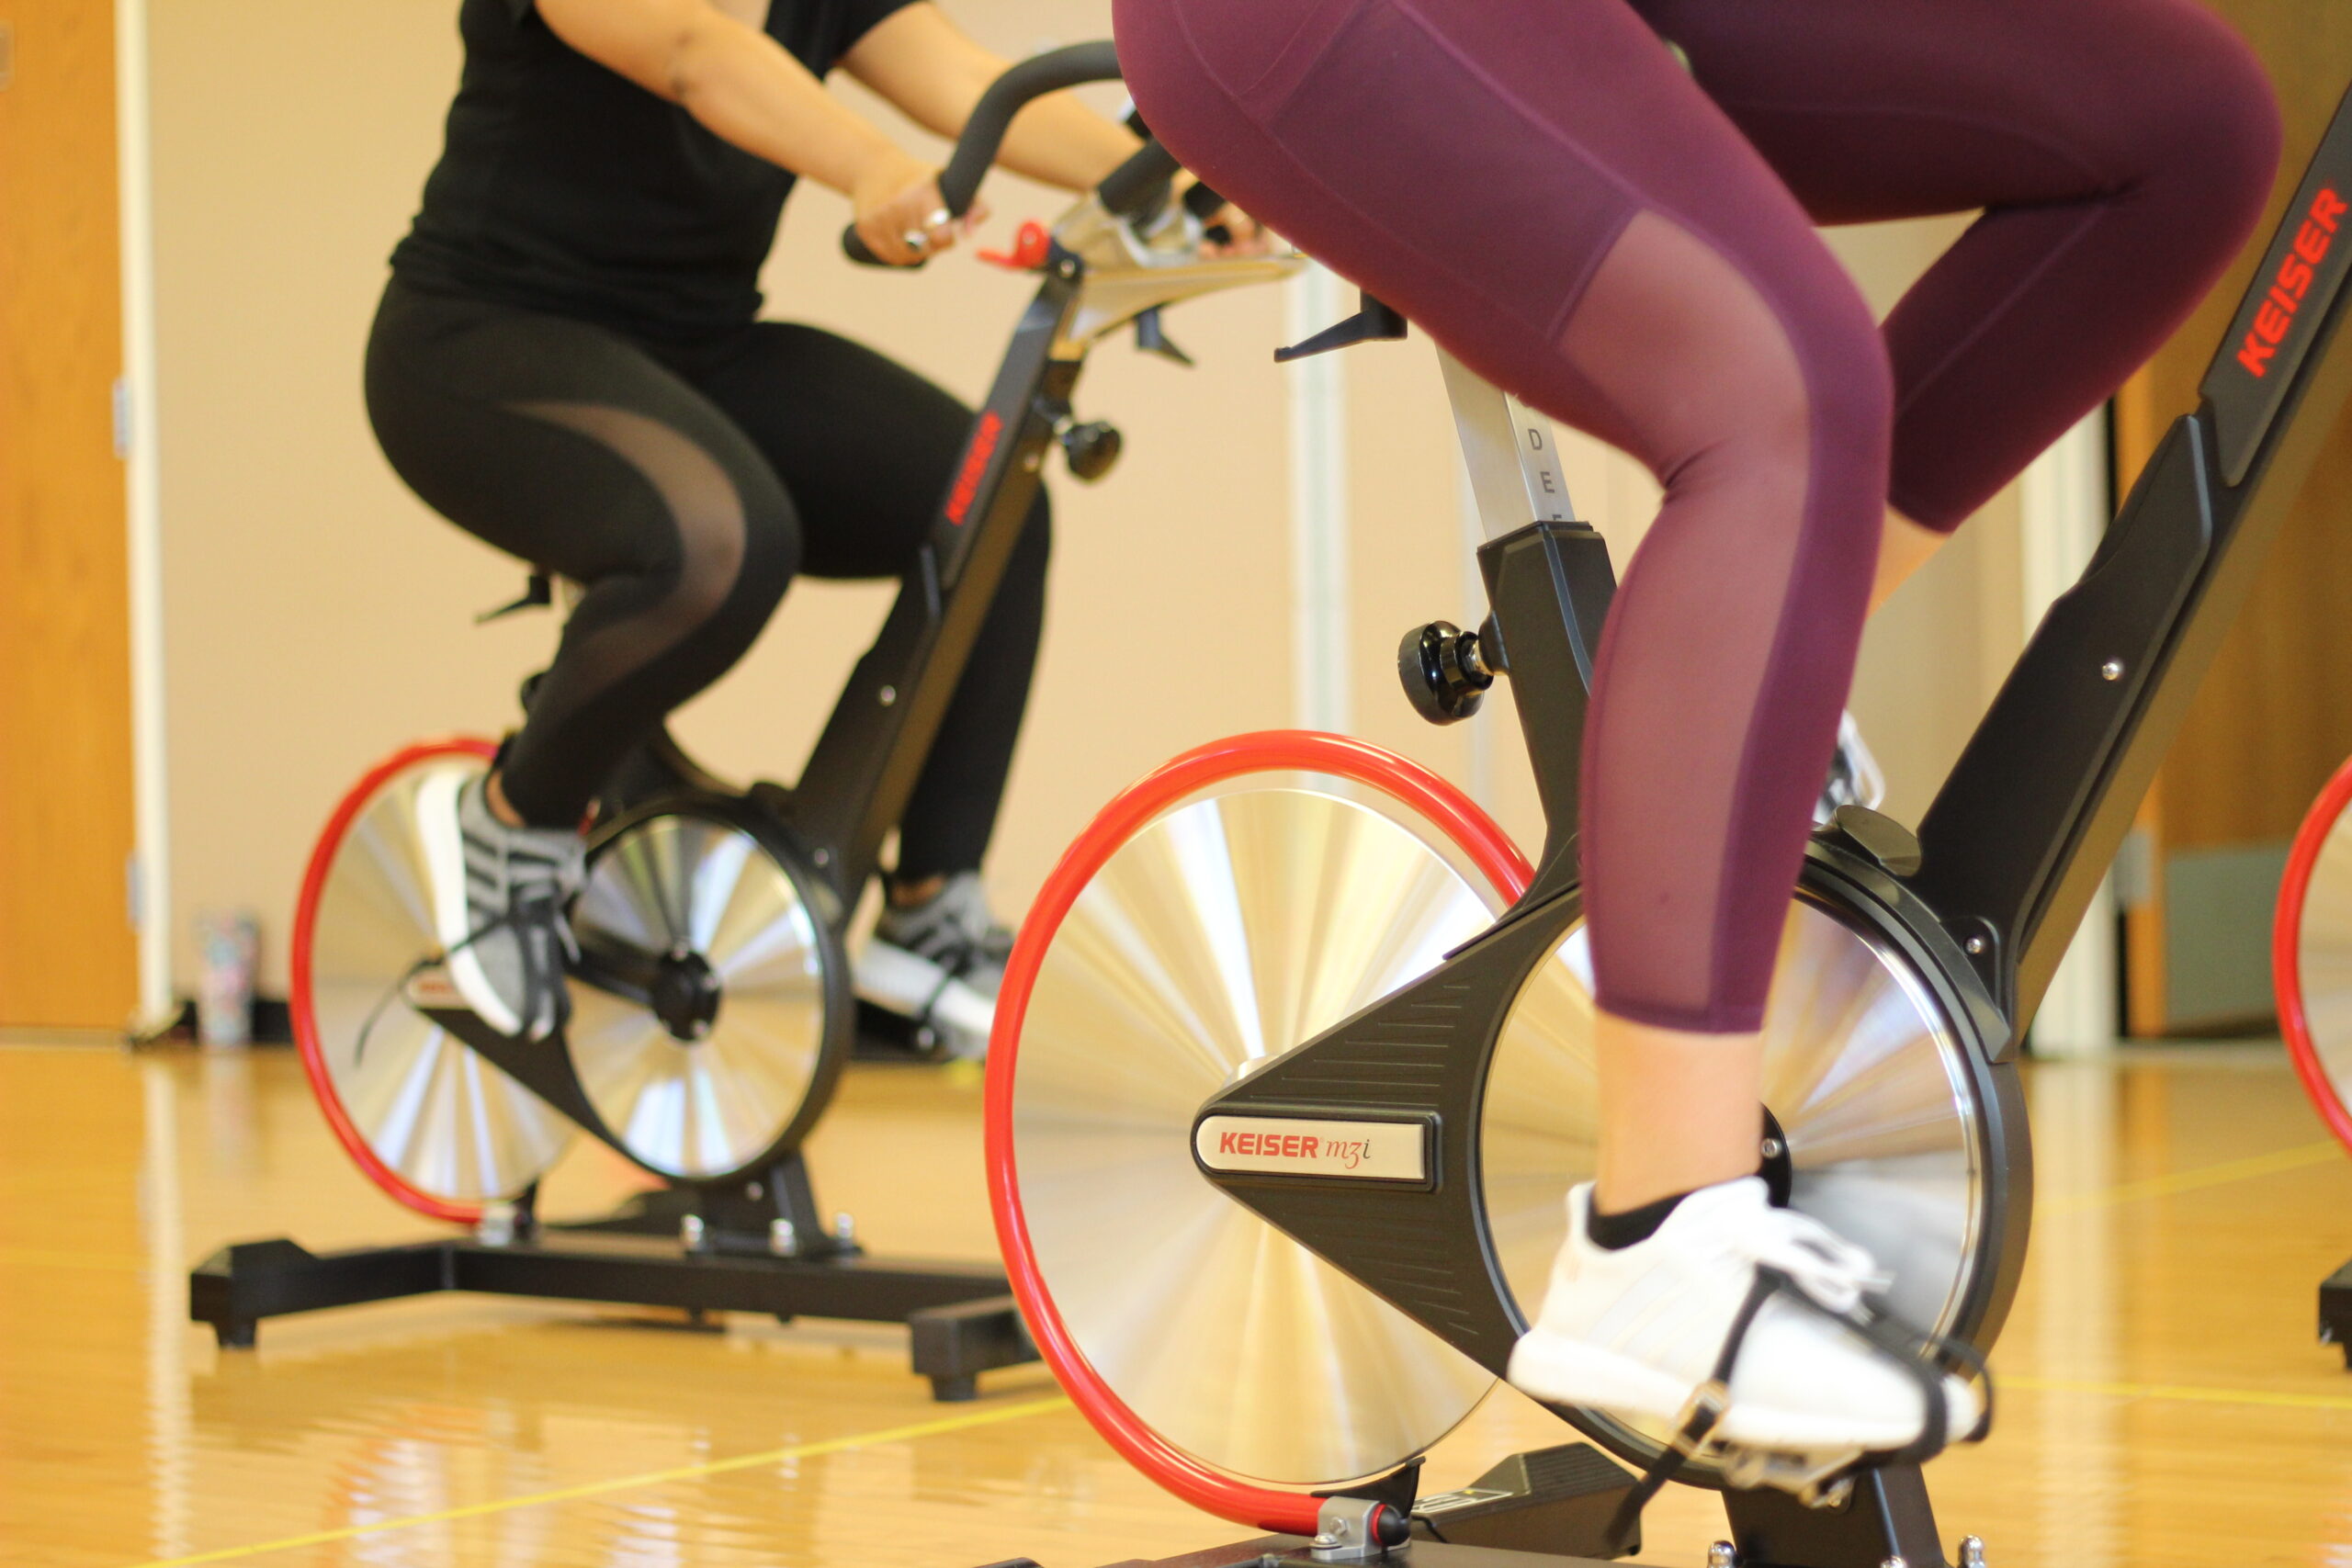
<point>935,73</point>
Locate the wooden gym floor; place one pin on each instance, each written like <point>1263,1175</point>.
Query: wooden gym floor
<point>2165,1403</point>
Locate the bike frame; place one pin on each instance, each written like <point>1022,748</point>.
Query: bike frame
<point>1980,904</point>
<point>1097,276</point>
<point>862,769</point>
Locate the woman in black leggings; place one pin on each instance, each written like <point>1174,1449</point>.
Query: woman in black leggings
<point>566,364</point>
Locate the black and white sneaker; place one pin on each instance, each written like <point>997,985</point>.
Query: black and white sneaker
<point>1854,776</point>
<point>940,962</point>
<point>499,896</point>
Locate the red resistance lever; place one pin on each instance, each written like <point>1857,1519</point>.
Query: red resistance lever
<point>1031,246</point>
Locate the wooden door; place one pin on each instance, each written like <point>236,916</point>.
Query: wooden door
<point>2197,878</point>
<point>68,953</point>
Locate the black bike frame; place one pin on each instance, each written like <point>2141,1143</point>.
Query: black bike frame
<point>862,769</point>
<point>2032,814</point>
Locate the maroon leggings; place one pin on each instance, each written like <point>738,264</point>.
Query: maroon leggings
<point>1545,189</point>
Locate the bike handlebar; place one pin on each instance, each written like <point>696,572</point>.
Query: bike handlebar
<point>983,135</point>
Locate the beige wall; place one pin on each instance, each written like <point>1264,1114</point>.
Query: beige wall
<point>317,616</point>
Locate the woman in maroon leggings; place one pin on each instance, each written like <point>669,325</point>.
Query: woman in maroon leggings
<point>1627,244</point>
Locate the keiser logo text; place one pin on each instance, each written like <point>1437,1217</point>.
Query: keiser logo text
<point>976,463</point>
<point>1324,1146</point>
<point>2276,317</point>
<point>1306,1148</point>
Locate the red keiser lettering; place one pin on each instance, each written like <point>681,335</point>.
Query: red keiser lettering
<point>2276,317</point>
<point>976,465</point>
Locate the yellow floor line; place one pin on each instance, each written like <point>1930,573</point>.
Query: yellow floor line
<point>2177,1394</point>
<point>2272,1164</point>
<point>621,1484</point>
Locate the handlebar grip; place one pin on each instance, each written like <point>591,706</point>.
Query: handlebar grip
<point>1139,186</point>
<point>853,246</point>
<point>1201,201</point>
<point>983,136</point>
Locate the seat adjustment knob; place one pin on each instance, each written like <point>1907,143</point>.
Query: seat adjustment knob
<point>1444,671</point>
<point>1093,448</point>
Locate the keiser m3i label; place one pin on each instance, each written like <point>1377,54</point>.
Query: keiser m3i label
<point>1323,1147</point>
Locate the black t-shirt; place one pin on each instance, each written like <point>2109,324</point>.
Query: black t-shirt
<point>564,187</point>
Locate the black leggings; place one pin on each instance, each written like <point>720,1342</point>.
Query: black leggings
<point>682,485</point>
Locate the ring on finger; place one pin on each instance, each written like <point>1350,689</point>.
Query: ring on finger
<point>938,217</point>
<point>915,240</point>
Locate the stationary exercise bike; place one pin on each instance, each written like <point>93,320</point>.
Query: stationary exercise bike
<point>712,1009</point>
<point>1294,1063</point>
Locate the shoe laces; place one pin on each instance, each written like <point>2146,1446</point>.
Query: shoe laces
<point>540,870</point>
<point>1831,1270</point>
<point>538,903</point>
<point>952,928</point>
<point>1854,776</point>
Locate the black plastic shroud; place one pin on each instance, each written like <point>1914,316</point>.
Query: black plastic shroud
<point>2037,806</point>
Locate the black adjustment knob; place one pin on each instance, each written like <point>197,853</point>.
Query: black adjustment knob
<point>1093,448</point>
<point>1445,678</point>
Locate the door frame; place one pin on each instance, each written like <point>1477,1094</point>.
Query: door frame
<point>136,427</point>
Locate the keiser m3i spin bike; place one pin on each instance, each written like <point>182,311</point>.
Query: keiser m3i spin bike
<point>1294,1063</point>
<point>712,1008</point>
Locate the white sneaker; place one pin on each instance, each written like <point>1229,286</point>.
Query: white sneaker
<point>1636,1332</point>
<point>940,962</point>
<point>499,895</point>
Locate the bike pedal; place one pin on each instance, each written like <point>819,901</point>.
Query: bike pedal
<point>1818,1481</point>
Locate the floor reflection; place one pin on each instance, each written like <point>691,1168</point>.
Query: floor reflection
<point>2165,1401</point>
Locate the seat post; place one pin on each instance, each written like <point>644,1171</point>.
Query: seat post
<point>1509,449</point>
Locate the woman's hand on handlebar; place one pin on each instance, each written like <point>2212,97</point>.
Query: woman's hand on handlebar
<point>1242,236</point>
<point>901,214</point>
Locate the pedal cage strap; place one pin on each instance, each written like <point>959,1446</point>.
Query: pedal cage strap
<point>1922,1358</point>
<point>1925,1358</point>
<point>1699,1419</point>
<point>533,979</point>
<point>542,992</point>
